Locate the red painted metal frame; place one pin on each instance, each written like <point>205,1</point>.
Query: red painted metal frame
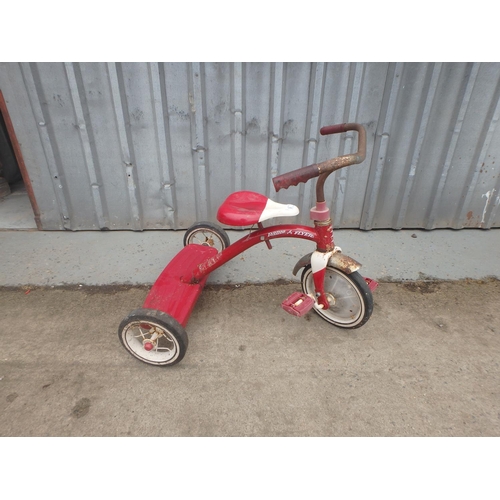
<point>170,293</point>
<point>317,234</point>
<point>178,287</point>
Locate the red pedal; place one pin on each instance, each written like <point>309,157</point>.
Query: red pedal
<point>372,284</point>
<point>298,304</point>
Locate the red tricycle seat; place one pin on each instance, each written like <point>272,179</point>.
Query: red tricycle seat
<point>245,208</point>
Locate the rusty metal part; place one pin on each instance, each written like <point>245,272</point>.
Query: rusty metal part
<point>332,129</point>
<point>343,262</point>
<point>324,169</point>
<point>20,161</point>
<point>323,223</point>
<point>292,178</point>
<point>329,166</point>
<point>320,193</point>
<point>325,241</point>
<point>346,127</point>
<point>338,260</point>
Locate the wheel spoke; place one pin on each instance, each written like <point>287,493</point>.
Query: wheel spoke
<point>350,297</point>
<point>158,348</point>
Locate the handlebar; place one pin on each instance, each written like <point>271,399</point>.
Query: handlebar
<point>303,174</point>
<point>333,129</point>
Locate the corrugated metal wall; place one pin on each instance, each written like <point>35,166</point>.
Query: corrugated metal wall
<point>160,145</point>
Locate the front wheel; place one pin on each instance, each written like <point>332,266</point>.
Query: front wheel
<point>153,337</point>
<point>207,234</point>
<point>350,299</point>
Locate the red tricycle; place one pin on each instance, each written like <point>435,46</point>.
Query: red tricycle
<point>331,284</point>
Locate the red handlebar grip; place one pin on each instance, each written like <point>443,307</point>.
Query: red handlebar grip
<point>292,178</point>
<point>333,129</point>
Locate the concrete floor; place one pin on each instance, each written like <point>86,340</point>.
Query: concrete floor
<point>15,209</point>
<point>426,364</point>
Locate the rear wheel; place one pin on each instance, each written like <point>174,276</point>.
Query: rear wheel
<point>207,234</point>
<point>350,299</point>
<point>153,337</point>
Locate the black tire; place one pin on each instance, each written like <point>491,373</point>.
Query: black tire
<point>203,233</point>
<point>352,300</point>
<point>137,330</point>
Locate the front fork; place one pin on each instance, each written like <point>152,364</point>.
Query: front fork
<point>319,261</point>
<point>324,250</point>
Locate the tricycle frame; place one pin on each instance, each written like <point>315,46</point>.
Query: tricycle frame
<point>321,234</point>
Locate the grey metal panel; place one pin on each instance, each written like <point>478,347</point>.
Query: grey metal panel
<point>160,145</point>
<point>257,90</point>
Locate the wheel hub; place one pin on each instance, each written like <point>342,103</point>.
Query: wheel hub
<point>330,298</point>
<point>209,242</point>
<point>151,343</point>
